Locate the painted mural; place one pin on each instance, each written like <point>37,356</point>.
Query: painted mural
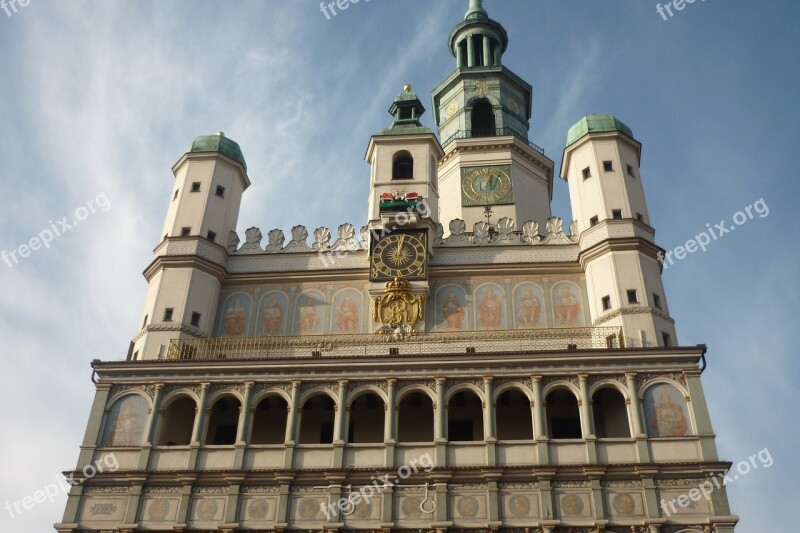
<point>451,308</point>
<point>309,314</point>
<point>665,411</point>
<point>126,421</point>
<point>348,312</point>
<point>528,306</point>
<point>567,306</point>
<point>490,307</point>
<point>273,314</point>
<point>236,315</point>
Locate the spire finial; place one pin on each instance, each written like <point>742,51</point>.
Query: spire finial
<point>475,8</point>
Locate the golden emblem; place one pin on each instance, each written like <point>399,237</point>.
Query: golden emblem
<point>398,306</point>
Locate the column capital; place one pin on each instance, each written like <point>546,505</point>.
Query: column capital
<point>249,384</point>
<point>487,380</point>
<point>583,377</point>
<point>296,383</point>
<point>160,385</point>
<point>391,381</point>
<point>343,382</point>
<point>536,379</point>
<point>205,386</point>
<point>440,380</point>
<point>630,376</point>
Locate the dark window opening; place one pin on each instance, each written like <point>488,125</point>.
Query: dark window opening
<point>608,166</point>
<point>185,232</point>
<point>610,415</point>
<point>366,419</point>
<point>196,320</point>
<point>667,339</point>
<point>657,301</point>
<point>220,191</point>
<point>465,417</point>
<point>223,422</point>
<point>606,303</point>
<point>563,416</point>
<point>587,173</point>
<point>594,221</point>
<point>513,413</point>
<point>317,419</point>
<point>415,418</point>
<point>168,314</point>
<point>176,194</point>
<point>633,297</point>
<point>403,168</point>
<point>630,172</point>
<point>483,120</point>
<point>196,186</point>
<point>212,236</point>
<point>616,214</point>
<point>269,421</point>
<point>639,217</point>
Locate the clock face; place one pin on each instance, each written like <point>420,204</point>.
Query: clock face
<point>486,186</point>
<point>400,255</point>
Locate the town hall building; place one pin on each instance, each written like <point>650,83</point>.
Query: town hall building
<point>458,360</point>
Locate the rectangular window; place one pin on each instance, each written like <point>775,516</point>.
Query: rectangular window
<point>630,172</point>
<point>168,314</point>
<point>616,214</point>
<point>608,166</point>
<point>212,236</point>
<point>639,217</point>
<point>196,186</point>
<point>666,338</point>
<point>176,194</point>
<point>144,322</point>
<point>657,301</point>
<point>594,221</point>
<point>633,298</point>
<point>136,355</point>
<point>587,173</point>
<point>196,319</point>
<point>606,303</point>
<point>185,232</point>
<point>220,191</point>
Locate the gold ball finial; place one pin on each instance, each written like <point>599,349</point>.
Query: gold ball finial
<point>407,88</point>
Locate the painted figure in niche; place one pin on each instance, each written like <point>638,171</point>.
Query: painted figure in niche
<point>529,310</point>
<point>272,318</point>
<point>126,421</point>
<point>567,306</point>
<point>347,315</point>
<point>490,310</point>
<point>669,420</point>
<point>235,322</point>
<point>309,317</point>
<point>453,312</point>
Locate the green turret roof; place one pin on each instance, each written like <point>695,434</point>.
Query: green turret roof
<point>597,124</point>
<point>218,143</point>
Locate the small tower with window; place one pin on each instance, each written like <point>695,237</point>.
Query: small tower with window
<point>623,274</point>
<point>404,159</point>
<point>181,302</point>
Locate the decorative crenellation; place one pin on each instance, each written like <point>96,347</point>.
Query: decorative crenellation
<point>299,243</point>
<point>576,484</point>
<point>158,489</point>
<point>105,489</point>
<point>210,489</point>
<point>468,486</point>
<point>622,483</point>
<point>307,489</point>
<point>503,234</point>
<point>260,489</point>
<point>519,485</point>
<point>683,482</point>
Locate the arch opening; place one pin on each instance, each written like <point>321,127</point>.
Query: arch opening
<point>403,166</point>
<point>415,418</point>
<point>175,425</point>
<point>513,414</point>
<point>610,414</point>
<point>317,419</point>
<point>483,119</point>
<point>367,415</point>
<point>563,415</point>
<point>223,422</point>
<point>465,417</point>
<point>269,421</point>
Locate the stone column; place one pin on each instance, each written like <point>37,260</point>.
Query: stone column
<point>488,421</point>
<point>150,427</point>
<point>459,56</point>
<point>200,416</point>
<point>539,428</point>
<point>439,416</point>
<point>133,501</point>
<point>586,419</point>
<point>291,425</point>
<point>338,425</point>
<point>389,432</point>
<point>95,426</point>
<point>487,51</point>
<point>639,433</point>
<point>470,51</point>
<point>244,418</point>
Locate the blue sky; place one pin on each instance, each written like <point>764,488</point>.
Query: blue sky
<point>99,99</point>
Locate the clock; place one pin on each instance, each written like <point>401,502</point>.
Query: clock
<point>486,186</point>
<point>401,254</point>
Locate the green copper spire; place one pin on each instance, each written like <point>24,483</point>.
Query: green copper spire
<point>407,111</point>
<point>476,10</point>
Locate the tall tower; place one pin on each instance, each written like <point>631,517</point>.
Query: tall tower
<point>183,290</point>
<point>483,111</point>
<point>623,274</point>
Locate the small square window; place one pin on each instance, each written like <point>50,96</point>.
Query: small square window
<point>136,355</point>
<point>587,173</point>
<point>608,166</point>
<point>185,232</point>
<point>606,303</point>
<point>616,214</point>
<point>666,338</point>
<point>633,298</point>
<point>220,191</point>
<point>168,314</point>
<point>176,194</point>
<point>212,236</point>
<point>657,301</point>
<point>196,320</point>
<point>639,217</point>
<point>196,186</point>
<point>144,322</point>
<point>630,172</point>
<point>594,221</point>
